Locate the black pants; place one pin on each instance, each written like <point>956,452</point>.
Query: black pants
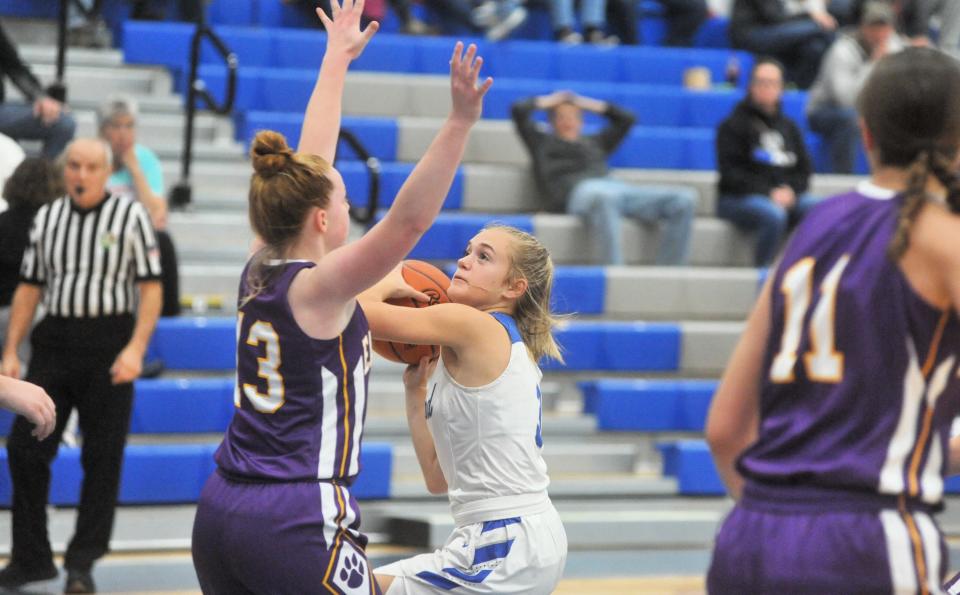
<point>71,361</point>
<point>170,276</point>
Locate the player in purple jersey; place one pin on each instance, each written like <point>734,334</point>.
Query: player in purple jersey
<point>478,435</point>
<point>831,424</point>
<point>278,516</point>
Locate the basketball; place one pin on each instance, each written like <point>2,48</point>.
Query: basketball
<point>427,278</point>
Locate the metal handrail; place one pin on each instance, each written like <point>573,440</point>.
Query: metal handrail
<point>181,193</point>
<point>373,174</point>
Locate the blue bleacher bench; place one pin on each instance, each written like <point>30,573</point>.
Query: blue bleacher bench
<point>168,44</point>
<point>690,463</point>
<point>378,135</point>
<point>189,343</point>
<point>576,289</point>
<point>182,405</point>
<point>624,346</point>
<point>448,236</point>
<point>621,404</point>
<point>176,473</point>
<point>392,177</point>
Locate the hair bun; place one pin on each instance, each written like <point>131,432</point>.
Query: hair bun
<point>270,153</point>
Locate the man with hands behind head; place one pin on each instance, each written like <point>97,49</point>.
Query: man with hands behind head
<point>90,253</point>
<point>573,176</point>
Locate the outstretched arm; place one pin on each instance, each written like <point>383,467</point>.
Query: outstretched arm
<point>349,270</point>
<point>345,42</point>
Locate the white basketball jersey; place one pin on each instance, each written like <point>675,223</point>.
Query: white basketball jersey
<point>488,438</point>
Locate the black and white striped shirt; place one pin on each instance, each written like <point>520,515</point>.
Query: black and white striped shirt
<point>89,260</point>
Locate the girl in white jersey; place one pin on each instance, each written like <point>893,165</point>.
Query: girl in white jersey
<point>475,419</point>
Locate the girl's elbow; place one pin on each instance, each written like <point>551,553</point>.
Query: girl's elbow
<point>437,486</point>
<point>717,435</point>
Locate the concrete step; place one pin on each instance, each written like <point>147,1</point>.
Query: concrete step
<point>211,238</point>
<point>165,128</point>
<point>35,55</point>
<point>31,31</point>
<point>95,81</point>
<point>649,293</point>
<point>561,458</point>
<point>585,529</point>
<point>600,485</point>
<point>559,427</point>
<point>217,153</point>
<point>487,188</point>
<point>148,104</point>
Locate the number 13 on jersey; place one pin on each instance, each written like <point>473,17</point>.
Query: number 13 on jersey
<point>823,362</point>
<point>268,368</point>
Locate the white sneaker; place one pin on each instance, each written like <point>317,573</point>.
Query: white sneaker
<point>506,26</point>
<point>571,38</point>
<point>485,15</point>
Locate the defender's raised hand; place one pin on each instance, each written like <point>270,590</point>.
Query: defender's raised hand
<point>467,95</point>
<point>343,28</point>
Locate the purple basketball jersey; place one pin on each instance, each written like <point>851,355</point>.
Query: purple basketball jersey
<point>300,402</point>
<point>861,374</point>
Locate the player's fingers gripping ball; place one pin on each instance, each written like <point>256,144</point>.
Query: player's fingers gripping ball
<point>427,279</point>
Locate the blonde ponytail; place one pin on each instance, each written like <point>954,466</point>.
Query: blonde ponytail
<point>530,260</point>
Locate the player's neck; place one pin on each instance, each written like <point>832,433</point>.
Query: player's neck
<point>306,249</point>
<point>897,179</point>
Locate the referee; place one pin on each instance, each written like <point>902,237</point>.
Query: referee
<point>90,253</point>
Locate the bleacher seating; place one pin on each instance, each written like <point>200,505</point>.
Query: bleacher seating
<point>175,473</point>
<point>647,343</point>
<point>279,71</point>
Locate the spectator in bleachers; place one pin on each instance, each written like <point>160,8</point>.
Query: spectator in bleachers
<point>152,10</point>
<point>683,17</point>
<point>452,14</point>
<point>622,21</point>
<point>34,183</point>
<point>499,18</point>
<point>86,26</point>
<point>572,173</point>
<point>831,111</point>
<point>795,32</point>
<point>137,173</point>
<point>592,20</point>
<point>913,18</point>
<point>43,117</point>
<point>763,162</point>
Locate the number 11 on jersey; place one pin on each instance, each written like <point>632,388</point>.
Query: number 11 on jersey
<point>823,363</point>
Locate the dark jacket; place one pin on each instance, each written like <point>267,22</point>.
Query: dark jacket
<point>747,14</point>
<point>15,227</point>
<point>559,165</point>
<point>12,67</point>
<point>757,152</point>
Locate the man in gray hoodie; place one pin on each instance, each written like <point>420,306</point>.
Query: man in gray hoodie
<point>848,63</point>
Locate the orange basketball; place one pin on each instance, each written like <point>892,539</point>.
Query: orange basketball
<point>427,278</point>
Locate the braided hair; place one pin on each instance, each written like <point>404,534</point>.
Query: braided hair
<point>910,106</point>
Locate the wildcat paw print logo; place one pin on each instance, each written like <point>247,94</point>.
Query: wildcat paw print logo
<point>352,575</point>
<point>353,571</point>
